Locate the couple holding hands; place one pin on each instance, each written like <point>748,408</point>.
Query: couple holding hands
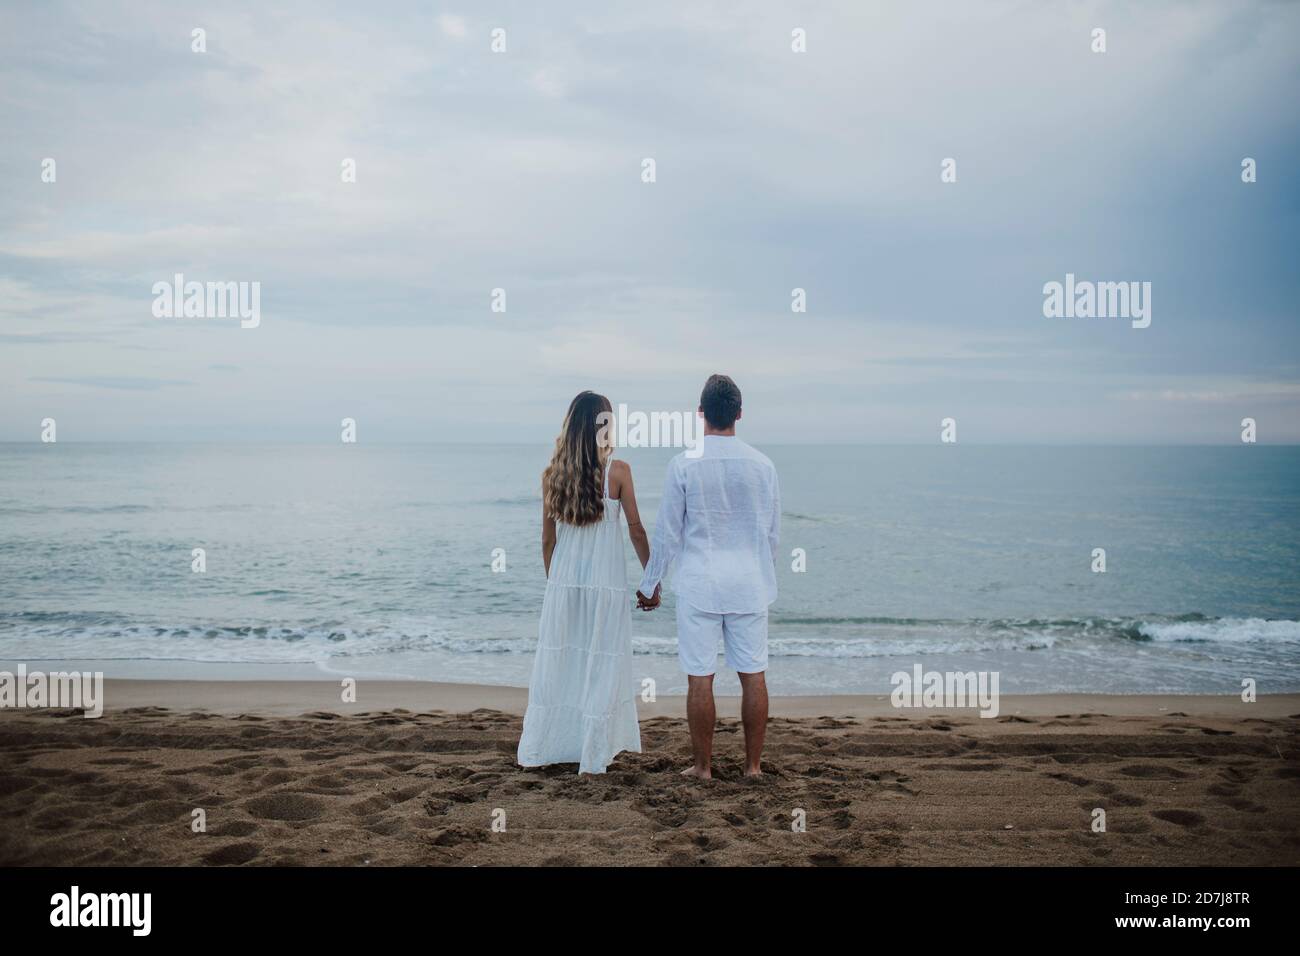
<point>719,520</point>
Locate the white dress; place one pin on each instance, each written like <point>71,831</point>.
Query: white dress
<point>581,698</point>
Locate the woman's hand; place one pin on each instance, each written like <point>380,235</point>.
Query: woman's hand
<point>648,603</point>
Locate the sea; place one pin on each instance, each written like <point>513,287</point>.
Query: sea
<point>261,561</point>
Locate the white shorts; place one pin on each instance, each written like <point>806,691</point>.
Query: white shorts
<point>743,635</point>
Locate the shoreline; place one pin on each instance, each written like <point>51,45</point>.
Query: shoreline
<point>282,698</point>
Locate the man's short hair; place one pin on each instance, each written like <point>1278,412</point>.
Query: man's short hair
<point>720,401</point>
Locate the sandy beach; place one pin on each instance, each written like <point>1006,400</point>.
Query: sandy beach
<point>416,773</point>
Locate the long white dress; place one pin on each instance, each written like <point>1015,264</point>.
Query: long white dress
<point>582,695</point>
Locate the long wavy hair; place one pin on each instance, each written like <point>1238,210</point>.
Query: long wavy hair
<point>572,484</point>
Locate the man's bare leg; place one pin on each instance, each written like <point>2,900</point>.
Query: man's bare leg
<point>701,716</point>
<point>753,713</point>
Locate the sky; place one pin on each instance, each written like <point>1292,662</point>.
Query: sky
<point>774,170</point>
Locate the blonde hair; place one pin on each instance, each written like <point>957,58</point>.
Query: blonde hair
<point>573,483</point>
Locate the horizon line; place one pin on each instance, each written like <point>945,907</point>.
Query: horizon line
<point>523,444</point>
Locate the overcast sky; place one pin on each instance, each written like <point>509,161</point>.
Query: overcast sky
<point>522,170</point>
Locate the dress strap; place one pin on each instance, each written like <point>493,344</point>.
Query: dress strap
<point>608,462</point>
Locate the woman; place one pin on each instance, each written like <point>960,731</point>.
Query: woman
<point>581,699</point>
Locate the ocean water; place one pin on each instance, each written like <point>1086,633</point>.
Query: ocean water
<point>377,561</point>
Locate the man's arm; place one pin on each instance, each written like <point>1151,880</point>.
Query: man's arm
<point>667,542</point>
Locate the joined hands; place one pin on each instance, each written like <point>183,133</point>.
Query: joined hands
<point>648,603</point>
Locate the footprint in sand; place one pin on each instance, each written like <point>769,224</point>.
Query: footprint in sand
<point>285,806</point>
<point>216,770</point>
<point>821,771</point>
<point>668,809</point>
<point>829,798</point>
<point>14,784</point>
<point>840,820</point>
<point>1084,758</point>
<point>318,756</point>
<point>887,776</point>
<point>1245,806</point>
<point>233,854</point>
<point>1112,800</point>
<point>436,807</point>
<point>831,723</point>
<point>1126,800</point>
<point>1184,818</point>
<point>1071,779</point>
<point>271,778</point>
<point>383,801</point>
<point>241,763</point>
<point>58,818</point>
<point>158,812</point>
<point>1151,771</point>
<point>978,764</point>
<point>1222,790</point>
<point>456,835</point>
<point>706,841</point>
<point>683,858</point>
<point>235,828</point>
<point>352,774</point>
<point>386,828</point>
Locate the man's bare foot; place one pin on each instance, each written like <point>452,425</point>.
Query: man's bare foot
<point>697,772</point>
<point>756,772</point>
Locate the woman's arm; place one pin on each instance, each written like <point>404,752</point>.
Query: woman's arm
<point>548,539</point>
<point>620,487</point>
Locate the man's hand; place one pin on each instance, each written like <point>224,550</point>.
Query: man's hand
<point>648,603</point>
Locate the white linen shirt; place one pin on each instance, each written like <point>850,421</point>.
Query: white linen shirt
<point>721,516</point>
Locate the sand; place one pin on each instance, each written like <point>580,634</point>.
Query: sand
<point>417,773</point>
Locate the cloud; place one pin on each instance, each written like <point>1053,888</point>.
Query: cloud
<point>115,382</point>
<point>776,170</point>
<point>548,83</point>
<point>1229,392</point>
<point>452,26</point>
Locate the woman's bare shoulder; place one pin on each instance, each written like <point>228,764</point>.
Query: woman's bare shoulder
<point>620,476</point>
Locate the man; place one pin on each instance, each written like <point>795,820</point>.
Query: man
<point>721,516</point>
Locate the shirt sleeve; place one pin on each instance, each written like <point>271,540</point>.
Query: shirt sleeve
<point>774,529</point>
<point>669,523</point>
